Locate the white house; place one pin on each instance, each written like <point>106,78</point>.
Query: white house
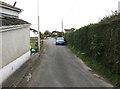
<point>69,30</point>
<point>33,33</point>
<point>14,40</point>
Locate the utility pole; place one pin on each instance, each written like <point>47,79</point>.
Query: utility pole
<point>62,25</point>
<point>119,7</point>
<point>38,29</point>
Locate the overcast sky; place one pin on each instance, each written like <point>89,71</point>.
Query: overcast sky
<point>75,13</point>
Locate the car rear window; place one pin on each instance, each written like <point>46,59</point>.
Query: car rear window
<point>60,38</point>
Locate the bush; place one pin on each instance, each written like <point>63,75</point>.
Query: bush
<point>99,41</point>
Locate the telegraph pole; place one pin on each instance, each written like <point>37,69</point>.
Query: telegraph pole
<point>119,7</point>
<point>62,25</point>
<point>38,29</point>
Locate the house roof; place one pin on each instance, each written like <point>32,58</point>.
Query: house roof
<point>7,21</point>
<point>33,30</point>
<point>67,29</point>
<point>32,34</point>
<point>54,31</point>
<point>8,6</point>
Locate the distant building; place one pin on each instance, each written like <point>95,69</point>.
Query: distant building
<point>57,33</point>
<point>33,35</point>
<point>119,7</point>
<point>69,30</point>
<point>14,40</point>
<point>60,34</point>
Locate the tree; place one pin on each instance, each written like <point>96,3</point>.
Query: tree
<point>46,32</point>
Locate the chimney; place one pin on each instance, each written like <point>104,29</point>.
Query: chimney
<point>14,3</point>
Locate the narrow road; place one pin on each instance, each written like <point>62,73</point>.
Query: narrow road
<point>59,67</point>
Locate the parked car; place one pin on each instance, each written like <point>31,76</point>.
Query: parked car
<point>60,40</point>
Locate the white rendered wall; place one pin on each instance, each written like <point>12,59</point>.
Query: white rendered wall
<point>14,49</point>
<point>0,52</point>
<point>15,42</point>
<point>7,70</point>
<point>0,58</point>
<point>7,11</point>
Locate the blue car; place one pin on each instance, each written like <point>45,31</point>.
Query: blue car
<point>60,40</point>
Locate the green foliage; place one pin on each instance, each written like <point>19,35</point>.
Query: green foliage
<point>42,36</point>
<point>47,33</point>
<point>101,42</point>
<point>33,45</point>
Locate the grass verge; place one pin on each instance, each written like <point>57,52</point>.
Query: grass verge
<point>41,51</point>
<point>43,47</point>
<point>97,67</point>
<point>33,45</point>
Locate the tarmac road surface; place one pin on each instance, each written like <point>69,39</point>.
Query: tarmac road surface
<point>59,67</point>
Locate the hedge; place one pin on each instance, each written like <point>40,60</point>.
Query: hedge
<point>99,41</point>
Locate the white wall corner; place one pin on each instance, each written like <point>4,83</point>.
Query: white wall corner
<point>0,59</point>
<point>9,69</point>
